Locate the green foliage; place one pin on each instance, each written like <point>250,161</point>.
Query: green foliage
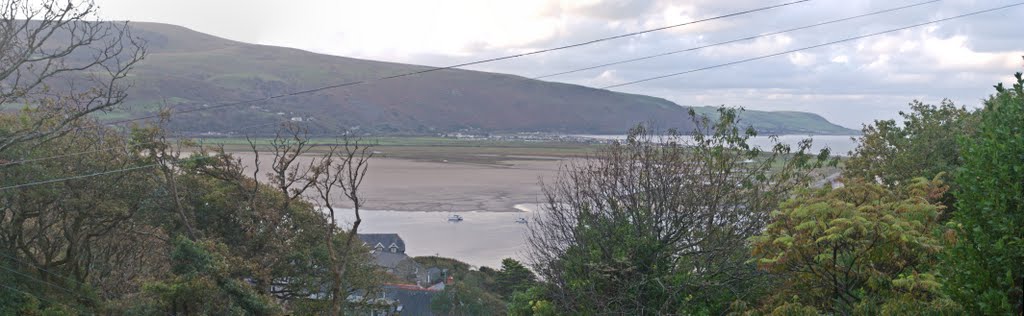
<point>794,309</point>
<point>205,282</point>
<point>513,277</point>
<point>855,248</point>
<point>75,231</point>
<point>986,265</point>
<point>454,266</point>
<point>476,292</point>
<point>106,238</point>
<point>531,302</point>
<point>15,301</point>
<point>924,146</point>
<point>657,224</point>
<point>466,297</point>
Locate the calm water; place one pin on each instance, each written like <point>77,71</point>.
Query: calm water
<point>481,239</point>
<point>839,144</point>
<point>484,238</point>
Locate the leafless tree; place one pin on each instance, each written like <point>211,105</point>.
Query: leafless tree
<point>329,170</point>
<point>344,168</point>
<point>291,177</point>
<point>57,58</point>
<point>647,221</point>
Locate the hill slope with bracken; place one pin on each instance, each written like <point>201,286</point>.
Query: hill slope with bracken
<point>187,69</point>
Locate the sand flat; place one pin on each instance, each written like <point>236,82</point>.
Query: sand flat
<point>407,185</point>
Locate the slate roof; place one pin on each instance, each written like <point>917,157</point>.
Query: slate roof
<point>411,299</point>
<point>389,260</point>
<point>386,240</point>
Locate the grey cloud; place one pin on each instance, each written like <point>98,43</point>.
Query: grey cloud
<point>849,93</point>
<point>882,97</point>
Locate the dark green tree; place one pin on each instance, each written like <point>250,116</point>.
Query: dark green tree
<point>658,224</point>
<point>986,265</point>
<point>466,297</point>
<point>513,276</point>
<point>204,281</point>
<point>924,145</point>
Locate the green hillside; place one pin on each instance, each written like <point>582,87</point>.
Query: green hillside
<point>185,69</point>
<point>785,122</point>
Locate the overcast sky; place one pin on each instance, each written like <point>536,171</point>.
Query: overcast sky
<point>849,83</point>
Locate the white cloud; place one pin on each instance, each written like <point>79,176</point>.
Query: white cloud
<point>851,83</point>
<point>802,59</point>
<point>606,78</point>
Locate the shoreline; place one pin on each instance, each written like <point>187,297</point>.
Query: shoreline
<point>406,185</point>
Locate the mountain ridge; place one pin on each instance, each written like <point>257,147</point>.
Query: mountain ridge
<point>187,69</point>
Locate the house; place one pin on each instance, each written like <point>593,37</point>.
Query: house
<point>383,242</point>
<point>393,299</point>
<point>435,275</point>
<point>388,251</point>
<point>411,300</point>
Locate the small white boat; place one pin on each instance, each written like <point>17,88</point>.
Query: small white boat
<point>455,218</point>
<point>521,220</point>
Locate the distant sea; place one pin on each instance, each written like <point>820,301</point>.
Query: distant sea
<point>839,144</point>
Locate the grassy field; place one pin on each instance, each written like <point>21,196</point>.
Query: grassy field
<point>439,149</point>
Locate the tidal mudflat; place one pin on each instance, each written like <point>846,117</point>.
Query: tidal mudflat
<point>437,186</point>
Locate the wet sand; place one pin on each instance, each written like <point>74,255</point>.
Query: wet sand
<point>407,185</point>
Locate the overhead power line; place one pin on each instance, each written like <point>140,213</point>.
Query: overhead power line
<point>125,146</point>
<point>483,61</point>
<point>588,68</point>
<point>90,175</point>
<point>37,279</point>
<point>41,281</point>
<point>735,40</point>
<point>358,82</point>
<point>37,297</point>
<point>24,161</point>
<point>811,47</point>
<point>612,86</point>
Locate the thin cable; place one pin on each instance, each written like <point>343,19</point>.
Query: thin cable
<point>55,180</point>
<point>735,40</point>
<point>15,258</point>
<point>24,161</point>
<point>76,177</point>
<point>44,282</point>
<point>583,69</point>
<point>621,84</point>
<point>40,298</point>
<point>358,82</point>
<point>126,146</point>
<point>51,273</point>
<point>811,47</point>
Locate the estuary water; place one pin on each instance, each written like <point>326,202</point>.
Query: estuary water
<point>485,196</point>
<point>481,239</point>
